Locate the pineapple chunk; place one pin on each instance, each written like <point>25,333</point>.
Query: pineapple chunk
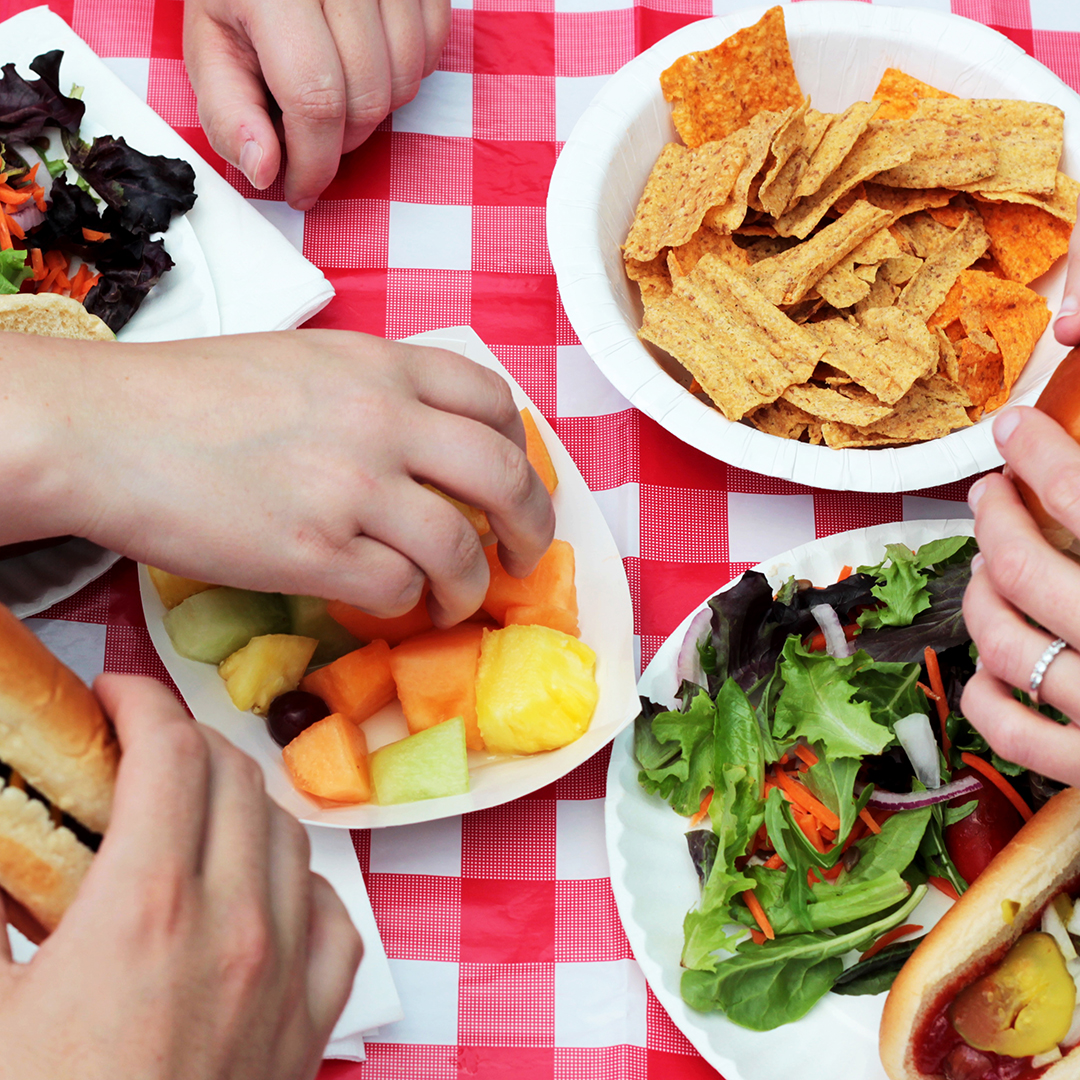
<point>535,689</point>
<point>265,667</point>
<point>174,589</point>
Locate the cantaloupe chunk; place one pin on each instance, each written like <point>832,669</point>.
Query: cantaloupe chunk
<point>369,627</point>
<point>537,452</point>
<point>357,685</point>
<point>330,760</point>
<point>435,675</point>
<point>551,584</point>
<point>173,589</point>
<point>535,689</point>
<point>473,514</point>
<point>265,667</point>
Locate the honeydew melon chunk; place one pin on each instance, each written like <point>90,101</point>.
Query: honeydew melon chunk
<point>428,765</point>
<point>212,625</point>
<point>308,618</point>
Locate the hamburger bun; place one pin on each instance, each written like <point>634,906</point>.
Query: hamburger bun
<point>54,735</point>
<point>51,315</point>
<point>1038,863</point>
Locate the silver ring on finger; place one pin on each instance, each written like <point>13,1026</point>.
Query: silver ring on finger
<point>1038,672</point>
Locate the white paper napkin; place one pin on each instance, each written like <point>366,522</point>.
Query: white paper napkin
<point>374,1000</point>
<point>282,289</point>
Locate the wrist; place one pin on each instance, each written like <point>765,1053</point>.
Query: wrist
<point>38,450</point>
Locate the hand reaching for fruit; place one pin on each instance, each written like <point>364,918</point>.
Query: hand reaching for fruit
<point>291,462</point>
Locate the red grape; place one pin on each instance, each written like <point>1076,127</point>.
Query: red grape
<point>293,712</point>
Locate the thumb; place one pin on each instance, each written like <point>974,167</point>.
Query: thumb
<point>224,73</point>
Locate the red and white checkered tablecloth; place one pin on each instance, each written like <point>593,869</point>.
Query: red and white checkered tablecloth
<point>500,926</point>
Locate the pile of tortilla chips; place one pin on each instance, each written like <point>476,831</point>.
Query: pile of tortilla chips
<point>858,279</point>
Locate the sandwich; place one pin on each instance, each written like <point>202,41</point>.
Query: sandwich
<point>990,993</point>
<point>58,761</point>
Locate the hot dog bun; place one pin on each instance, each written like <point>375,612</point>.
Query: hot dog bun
<point>54,734</point>
<point>1060,400</point>
<point>51,315</point>
<point>1041,860</point>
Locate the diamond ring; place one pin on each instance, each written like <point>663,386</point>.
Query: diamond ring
<point>1039,670</point>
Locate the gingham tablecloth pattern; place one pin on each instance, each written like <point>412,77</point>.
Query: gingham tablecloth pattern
<point>501,927</point>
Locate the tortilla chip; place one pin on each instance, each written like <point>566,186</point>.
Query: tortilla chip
<point>682,186</point>
<point>778,194</point>
<point>780,418</point>
<point>754,141</point>
<point>708,241</point>
<point>876,248</point>
<point>930,284</point>
<point>839,138</point>
<point>903,201</point>
<point>899,93</point>
<point>1025,240</point>
<point>948,361</point>
<point>715,93</point>
<point>1027,135</point>
<point>869,156</point>
<point>900,269</point>
<point>742,350</point>
<point>925,234</point>
<point>786,278</point>
<point>981,373</point>
<point>923,413</point>
<point>882,294</point>
<point>1014,315</point>
<point>869,355</point>
<point>836,406</point>
<point>1061,203</point>
<point>843,288</point>
<point>943,157</point>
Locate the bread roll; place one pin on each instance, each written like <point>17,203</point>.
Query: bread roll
<point>51,315</point>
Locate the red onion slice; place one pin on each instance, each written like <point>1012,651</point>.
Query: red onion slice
<point>891,800</point>
<point>836,642</point>
<point>688,666</point>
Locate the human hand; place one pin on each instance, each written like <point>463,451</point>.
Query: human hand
<point>1019,575</point>
<point>199,945</point>
<point>335,69</point>
<point>288,462</point>
<point>1067,323</point>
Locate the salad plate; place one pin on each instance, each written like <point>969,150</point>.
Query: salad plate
<point>655,883</point>
<point>606,618</point>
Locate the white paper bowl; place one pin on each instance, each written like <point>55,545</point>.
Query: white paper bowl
<point>840,50</point>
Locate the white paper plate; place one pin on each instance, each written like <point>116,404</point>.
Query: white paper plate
<point>607,625</point>
<point>655,883</point>
<point>840,51</point>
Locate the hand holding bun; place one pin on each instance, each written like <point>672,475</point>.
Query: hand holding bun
<point>199,944</point>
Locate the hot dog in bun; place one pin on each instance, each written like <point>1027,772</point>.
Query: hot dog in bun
<point>1060,400</point>
<point>58,760</point>
<point>990,993</point>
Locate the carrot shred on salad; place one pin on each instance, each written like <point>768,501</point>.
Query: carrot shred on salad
<point>801,796</point>
<point>945,886</point>
<point>889,937</point>
<point>933,670</point>
<point>758,912</point>
<point>703,810</point>
<point>999,782</point>
<point>868,818</point>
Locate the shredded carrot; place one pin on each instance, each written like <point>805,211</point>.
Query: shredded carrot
<point>801,796</point>
<point>89,282</point>
<point>927,691</point>
<point>834,871</point>
<point>845,573</point>
<point>14,227</point>
<point>12,197</point>
<point>808,824</point>
<point>37,263</point>
<point>702,810</point>
<point>93,236</point>
<point>889,937</point>
<point>56,260</point>
<point>868,818</point>
<point>934,671</point>
<point>804,753</point>
<point>817,641</point>
<point>774,862</point>
<point>945,886</point>
<point>785,757</point>
<point>999,782</point>
<point>758,912</point>
<point>811,877</point>
<point>5,236</point>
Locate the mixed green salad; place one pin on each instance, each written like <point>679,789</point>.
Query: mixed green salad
<point>830,779</point>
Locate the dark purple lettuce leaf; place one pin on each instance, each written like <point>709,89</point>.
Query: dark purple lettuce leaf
<point>27,108</point>
<point>144,191</point>
<point>128,273</point>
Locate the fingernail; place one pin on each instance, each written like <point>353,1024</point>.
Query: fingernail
<point>1070,305</point>
<point>1005,425</point>
<point>977,561</point>
<point>975,493</point>
<point>250,159</point>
